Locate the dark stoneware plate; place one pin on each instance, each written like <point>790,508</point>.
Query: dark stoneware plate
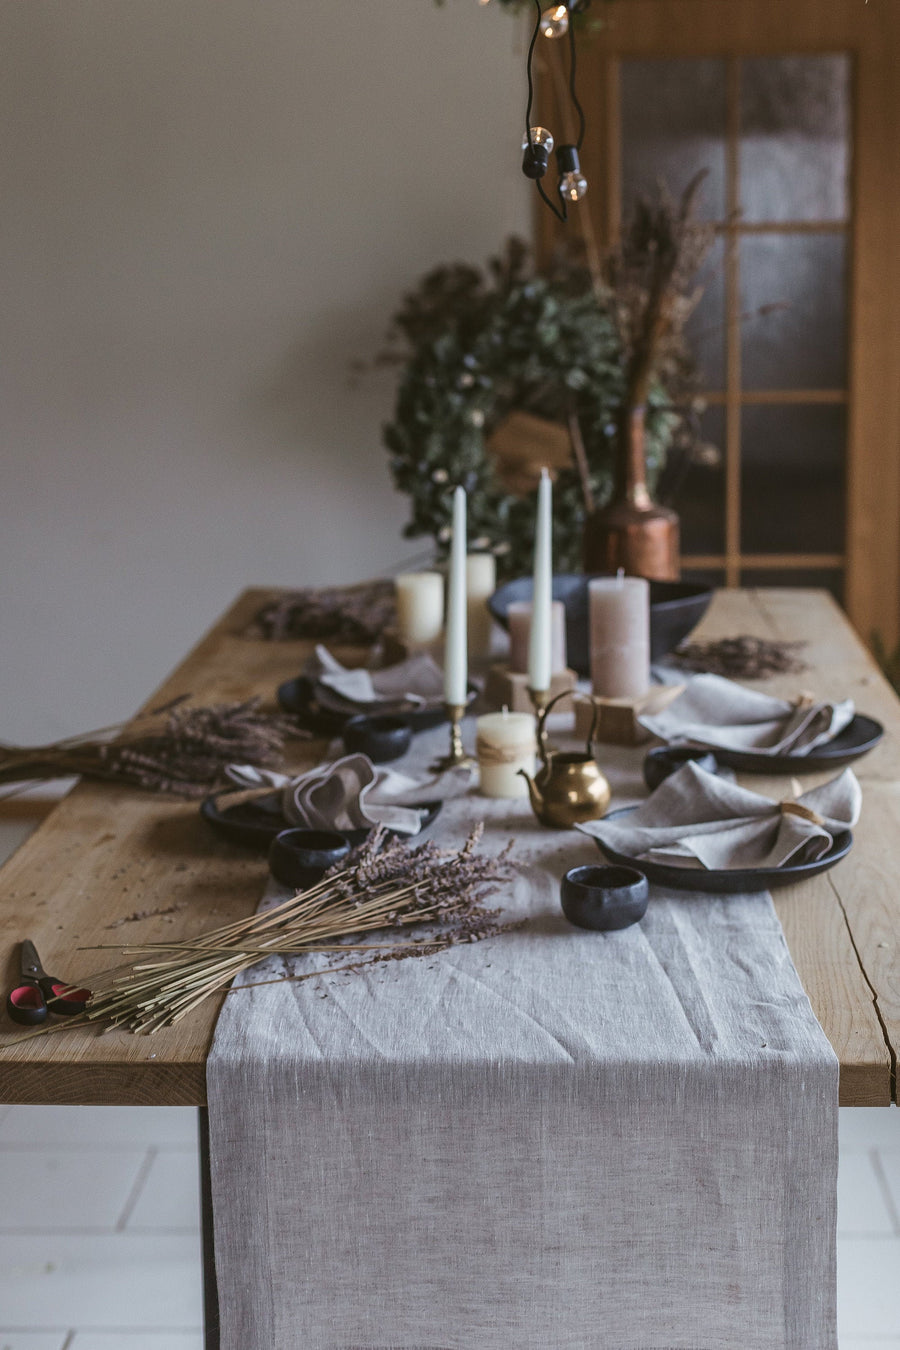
<point>256,822</point>
<point>298,697</point>
<point>726,881</point>
<point>860,736</point>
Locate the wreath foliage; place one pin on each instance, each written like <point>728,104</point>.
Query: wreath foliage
<point>478,345</point>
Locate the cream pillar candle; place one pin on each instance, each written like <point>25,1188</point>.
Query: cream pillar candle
<point>420,607</point>
<point>505,743</point>
<point>619,636</point>
<point>519,617</point>
<point>542,595</point>
<point>455,648</point>
<point>481,582</point>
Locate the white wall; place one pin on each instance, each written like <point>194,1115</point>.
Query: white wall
<point>207,209</point>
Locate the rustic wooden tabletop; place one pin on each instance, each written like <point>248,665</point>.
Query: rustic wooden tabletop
<point>105,854</point>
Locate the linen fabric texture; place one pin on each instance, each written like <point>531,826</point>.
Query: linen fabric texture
<point>699,819</point>
<point>718,713</point>
<point>551,1139</point>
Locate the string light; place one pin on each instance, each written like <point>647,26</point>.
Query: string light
<point>572,182</point>
<point>555,21</point>
<point>537,148</point>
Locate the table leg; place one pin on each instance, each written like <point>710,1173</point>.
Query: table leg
<point>210,1288</point>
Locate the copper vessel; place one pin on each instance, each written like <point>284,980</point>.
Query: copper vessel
<point>632,532</point>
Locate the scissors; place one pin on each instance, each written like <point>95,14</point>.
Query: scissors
<point>40,993</point>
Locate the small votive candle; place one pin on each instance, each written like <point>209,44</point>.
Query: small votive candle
<point>481,582</point>
<point>505,743</point>
<point>420,607</point>
<point>619,636</point>
<point>519,618</point>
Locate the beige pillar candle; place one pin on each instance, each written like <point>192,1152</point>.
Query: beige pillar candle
<point>505,743</point>
<point>481,582</point>
<point>619,636</point>
<point>420,607</point>
<point>519,616</point>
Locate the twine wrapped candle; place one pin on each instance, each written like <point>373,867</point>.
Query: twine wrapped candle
<point>505,743</point>
<point>619,636</point>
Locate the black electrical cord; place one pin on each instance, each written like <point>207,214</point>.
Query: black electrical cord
<point>563,214</point>
<point>572,90</point>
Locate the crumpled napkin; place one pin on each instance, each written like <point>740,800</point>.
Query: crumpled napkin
<point>717,712</point>
<point>696,819</point>
<point>353,794</point>
<point>417,682</point>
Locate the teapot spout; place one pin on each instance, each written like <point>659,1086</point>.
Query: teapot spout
<point>537,801</point>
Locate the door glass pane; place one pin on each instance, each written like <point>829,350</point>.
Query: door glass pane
<point>673,125</point>
<point>705,330</point>
<point>699,498</point>
<point>795,147</point>
<point>792,478</point>
<point>793,299</point>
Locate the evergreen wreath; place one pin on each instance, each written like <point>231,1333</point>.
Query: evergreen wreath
<point>479,345</point>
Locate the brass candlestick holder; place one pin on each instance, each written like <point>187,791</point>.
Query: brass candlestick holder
<point>457,755</point>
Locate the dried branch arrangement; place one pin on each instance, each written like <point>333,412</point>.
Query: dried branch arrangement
<point>357,614</point>
<point>422,901</point>
<point>177,750</point>
<point>652,276</point>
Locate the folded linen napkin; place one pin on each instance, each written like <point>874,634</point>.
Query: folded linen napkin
<point>418,681</point>
<point>696,819</point>
<point>352,794</point>
<point>717,712</point>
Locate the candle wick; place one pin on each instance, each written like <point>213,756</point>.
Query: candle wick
<point>620,575</point>
<point>506,710</point>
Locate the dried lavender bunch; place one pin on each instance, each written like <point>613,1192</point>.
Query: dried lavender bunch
<point>356,614</point>
<point>181,750</point>
<point>412,902</point>
<point>748,658</point>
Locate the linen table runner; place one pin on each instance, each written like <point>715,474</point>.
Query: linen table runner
<point>551,1140</point>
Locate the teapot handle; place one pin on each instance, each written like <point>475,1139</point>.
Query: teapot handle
<point>594,720</point>
<point>541,726</point>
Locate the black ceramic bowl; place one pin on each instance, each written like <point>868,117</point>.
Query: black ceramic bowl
<point>301,857</point>
<point>676,607</point>
<point>604,898</point>
<point>665,759</point>
<point>381,738</point>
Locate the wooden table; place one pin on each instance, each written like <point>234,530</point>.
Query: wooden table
<point>105,854</point>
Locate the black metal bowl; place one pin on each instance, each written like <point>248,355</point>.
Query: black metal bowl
<point>676,607</point>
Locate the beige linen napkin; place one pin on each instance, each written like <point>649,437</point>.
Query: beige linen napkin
<point>417,682</point>
<point>352,794</point>
<point>696,819</point>
<point>717,712</point>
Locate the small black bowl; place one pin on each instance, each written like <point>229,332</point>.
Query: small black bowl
<point>665,759</point>
<point>604,898</point>
<point>301,857</point>
<point>381,738</point>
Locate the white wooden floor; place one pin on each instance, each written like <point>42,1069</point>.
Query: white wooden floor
<point>99,1226</point>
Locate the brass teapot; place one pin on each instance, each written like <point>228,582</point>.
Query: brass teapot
<point>568,787</point>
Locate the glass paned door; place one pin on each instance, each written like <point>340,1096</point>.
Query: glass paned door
<point>766,497</point>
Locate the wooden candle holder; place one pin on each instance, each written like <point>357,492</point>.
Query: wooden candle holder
<point>505,688</point>
<point>617,722</point>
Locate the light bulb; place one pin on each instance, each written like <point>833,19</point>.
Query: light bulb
<point>573,186</point>
<point>539,136</point>
<point>555,21</point>
<point>536,152</point>
<point>572,182</point>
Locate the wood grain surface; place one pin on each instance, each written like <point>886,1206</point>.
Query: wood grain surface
<point>106,853</point>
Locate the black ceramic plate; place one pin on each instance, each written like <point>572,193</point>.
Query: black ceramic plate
<point>860,736</point>
<point>256,822</point>
<point>728,882</point>
<point>298,697</point>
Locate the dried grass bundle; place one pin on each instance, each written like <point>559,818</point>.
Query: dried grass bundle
<point>421,901</point>
<point>355,614</point>
<point>175,749</point>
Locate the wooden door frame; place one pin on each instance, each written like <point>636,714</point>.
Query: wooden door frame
<point>870,33</point>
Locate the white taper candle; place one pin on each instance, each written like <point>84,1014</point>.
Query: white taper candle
<point>539,661</point>
<point>455,647</point>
